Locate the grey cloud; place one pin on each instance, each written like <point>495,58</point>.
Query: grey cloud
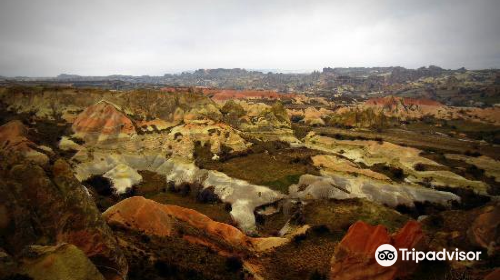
<point>48,37</point>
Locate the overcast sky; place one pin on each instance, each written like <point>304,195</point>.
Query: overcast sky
<point>49,37</point>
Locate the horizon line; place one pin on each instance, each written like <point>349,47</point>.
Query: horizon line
<point>261,70</point>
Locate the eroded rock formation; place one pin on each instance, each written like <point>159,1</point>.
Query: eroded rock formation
<point>138,213</point>
<point>51,207</point>
<point>103,121</point>
<point>354,258</point>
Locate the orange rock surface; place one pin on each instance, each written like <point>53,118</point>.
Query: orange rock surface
<point>150,217</point>
<point>102,121</point>
<point>354,257</point>
<point>14,138</point>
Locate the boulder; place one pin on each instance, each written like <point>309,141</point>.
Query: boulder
<point>60,262</point>
<point>14,139</point>
<point>52,207</point>
<point>354,257</point>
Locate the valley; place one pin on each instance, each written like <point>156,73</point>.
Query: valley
<point>188,183</point>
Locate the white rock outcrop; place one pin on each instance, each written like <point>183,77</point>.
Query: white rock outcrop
<point>123,177</point>
<point>344,187</point>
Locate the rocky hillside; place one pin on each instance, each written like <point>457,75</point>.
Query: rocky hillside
<point>391,111</point>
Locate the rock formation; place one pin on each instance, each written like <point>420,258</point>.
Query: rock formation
<point>406,158</point>
<point>123,178</point>
<point>403,108</point>
<point>243,196</point>
<point>217,136</point>
<point>490,166</point>
<point>330,164</point>
<point>227,94</point>
<point>345,187</point>
<point>354,258</point>
<point>13,139</point>
<point>140,214</point>
<point>51,207</point>
<point>103,121</point>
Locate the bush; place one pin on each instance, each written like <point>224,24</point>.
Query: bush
<point>296,118</point>
<point>320,229</point>
<point>316,275</point>
<point>234,264</point>
<point>472,154</point>
<point>184,189</point>
<point>100,184</point>
<point>297,239</point>
<point>398,173</point>
<point>165,269</point>
<point>419,167</point>
<point>475,171</point>
<point>208,195</point>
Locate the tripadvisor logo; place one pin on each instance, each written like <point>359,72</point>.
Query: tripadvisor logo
<point>387,255</point>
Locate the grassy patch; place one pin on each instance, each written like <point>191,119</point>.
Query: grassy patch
<point>216,211</point>
<point>300,131</point>
<point>339,215</point>
<point>308,257</point>
<point>272,165</point>
<point>154,187</point>
<point>283,183</point>
<point>151,257</point>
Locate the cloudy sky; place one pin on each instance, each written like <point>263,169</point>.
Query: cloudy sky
<point>49,37</point>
